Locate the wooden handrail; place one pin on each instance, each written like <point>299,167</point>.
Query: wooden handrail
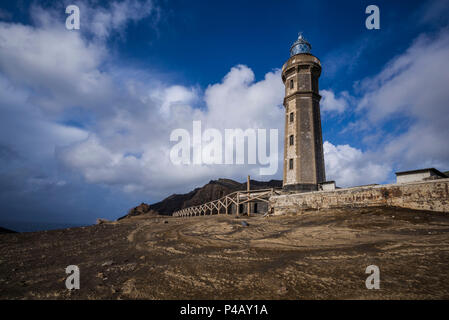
<point>226,201</point>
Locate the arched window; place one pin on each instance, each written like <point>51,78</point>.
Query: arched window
<point>290,164</point>
<point>291,140</point>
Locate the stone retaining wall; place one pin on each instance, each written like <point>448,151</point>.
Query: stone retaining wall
<point>427,195</point>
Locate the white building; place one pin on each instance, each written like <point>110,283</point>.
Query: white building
<point>419,175</point>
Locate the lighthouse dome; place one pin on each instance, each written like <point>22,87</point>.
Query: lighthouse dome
<point>301,45</point>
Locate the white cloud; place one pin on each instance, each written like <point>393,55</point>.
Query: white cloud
<point>26,129</point>
<point>101,22</point>
<point>239,102</point>
<point>174,97</point>
<point>132,149</point>
<point>413,86</point>
<point>58,65</point>
<point>65,68</point>
<point>349,166</point>
<point>330,103</point>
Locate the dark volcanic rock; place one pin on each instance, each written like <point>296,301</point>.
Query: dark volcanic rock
<point>101,220</point>
<point>215,189</point>
<point>141,209</point>
<point>3,230</point>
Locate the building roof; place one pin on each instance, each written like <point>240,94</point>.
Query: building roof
<point>433,170</point>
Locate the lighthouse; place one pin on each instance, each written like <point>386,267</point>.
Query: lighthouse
<point>303,141</point>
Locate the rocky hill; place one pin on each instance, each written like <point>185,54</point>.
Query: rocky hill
<point>213,190</point>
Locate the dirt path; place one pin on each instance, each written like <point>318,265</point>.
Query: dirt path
<point>312,256</point>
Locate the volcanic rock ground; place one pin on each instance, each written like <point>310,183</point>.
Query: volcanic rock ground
<point>315,255</point>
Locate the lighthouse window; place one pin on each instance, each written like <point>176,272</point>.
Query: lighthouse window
<point>291,116</point>
<point>291,140</point>
<point>290,165</point>
<point>291,84</point>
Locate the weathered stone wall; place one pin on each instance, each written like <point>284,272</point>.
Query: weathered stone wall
<point>261,206</point>
<point>426,195</point>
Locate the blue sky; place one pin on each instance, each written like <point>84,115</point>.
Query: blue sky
<point>86,115</point>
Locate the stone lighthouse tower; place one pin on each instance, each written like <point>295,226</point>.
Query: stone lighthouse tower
<point>303,143</point>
